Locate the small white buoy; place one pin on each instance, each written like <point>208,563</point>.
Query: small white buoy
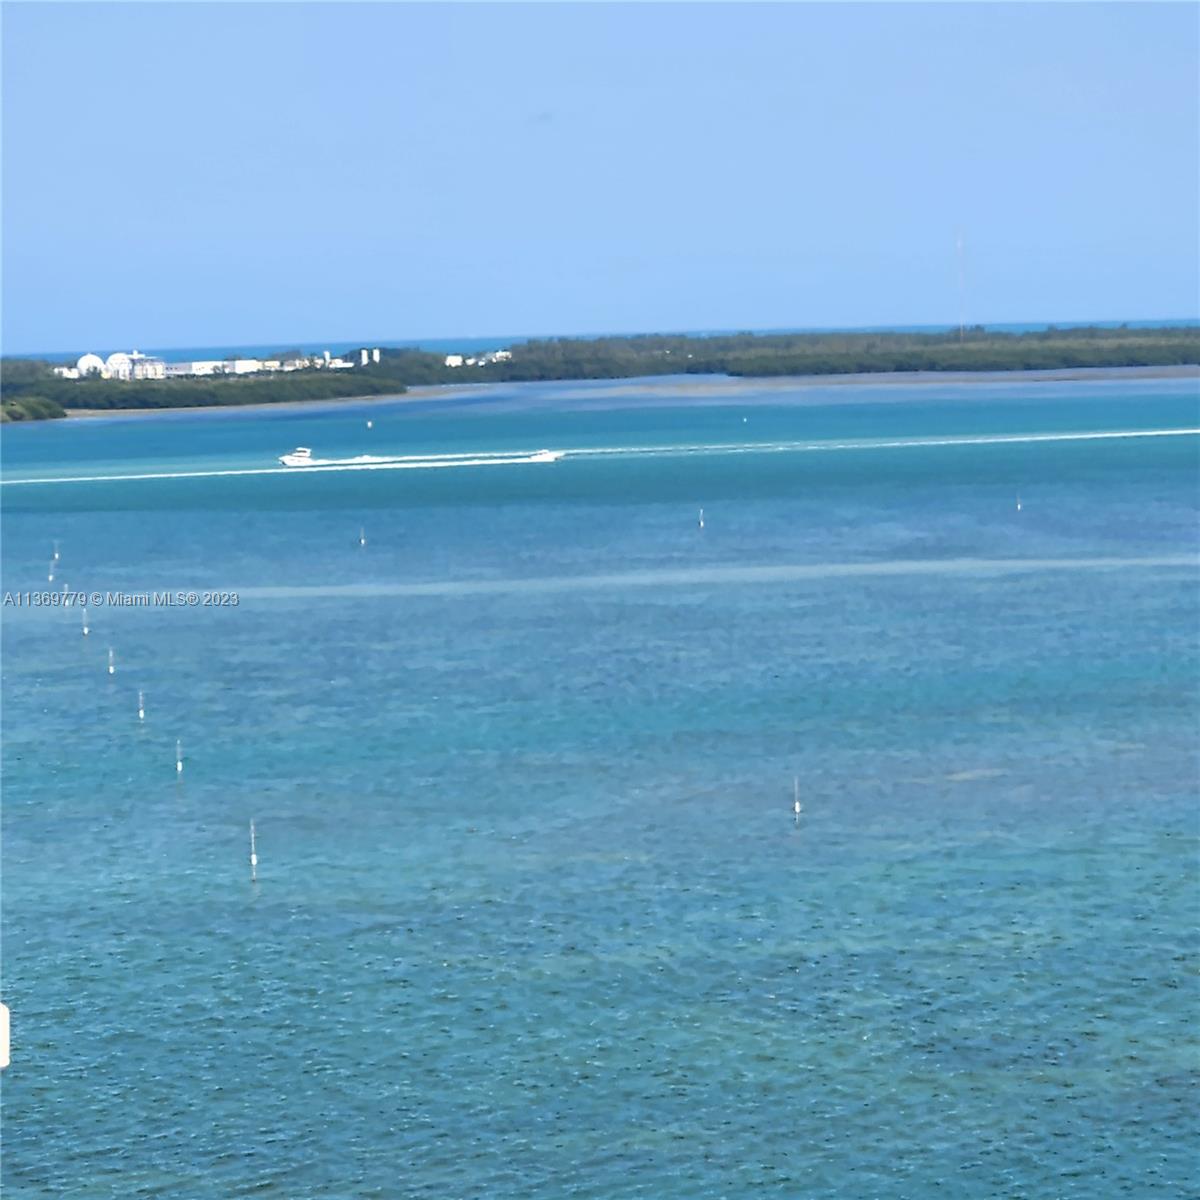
<point>362,537</point>
<point>370,424</point>
<point>56,552</point>
<point>178,757</point>
<point>85,624</point>
<point>1018,502</point>
<point>50,576</point>
<point>253,856</point>
<point>796,808</point>
<point>141,705</point>
<point>112,670</point>
<point>701,521</point>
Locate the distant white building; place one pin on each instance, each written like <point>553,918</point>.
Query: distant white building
<point>140,366</point>
<point>90,364</point>
<point>134,365</point>
<point>242,366</point>
<point>117,366</point>
<point>145,367</point>
<point>482,360</point>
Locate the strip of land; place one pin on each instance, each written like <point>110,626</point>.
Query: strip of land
<point>31,390</point>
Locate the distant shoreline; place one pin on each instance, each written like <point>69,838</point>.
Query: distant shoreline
<point>698,386</point>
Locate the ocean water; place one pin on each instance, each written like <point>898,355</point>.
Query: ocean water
<point>533,916</point>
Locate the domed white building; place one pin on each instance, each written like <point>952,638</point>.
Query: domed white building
<point>118,366</point>
<point>134,366</point>
<point>89,364</point>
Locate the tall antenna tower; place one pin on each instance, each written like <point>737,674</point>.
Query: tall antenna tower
<point>962,287</point>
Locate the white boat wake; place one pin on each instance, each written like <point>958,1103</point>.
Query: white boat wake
<point>715,576</point>
<point>499,458</point>
<point>365,462</point>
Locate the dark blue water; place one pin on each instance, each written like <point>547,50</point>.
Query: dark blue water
<point>533,916</point>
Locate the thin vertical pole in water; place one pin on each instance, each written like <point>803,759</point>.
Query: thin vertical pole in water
<point>362,537</point>
<point>50,576</point>
<point>141,705</point>
<point>1018,502</point>
<point>85,624</point>
<point>253,856</point>
<point>112,669</point>
<point>56,552</point>
<point>701,521</point>
<point>178,757</point>
<point>796,797</point>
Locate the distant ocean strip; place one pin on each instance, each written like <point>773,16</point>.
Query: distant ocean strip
<point>519,458</point>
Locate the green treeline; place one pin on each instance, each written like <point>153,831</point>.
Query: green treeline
<point>206,391</point>
<point>30,408</point>
<point>746,354</point>
<point>31,390</point>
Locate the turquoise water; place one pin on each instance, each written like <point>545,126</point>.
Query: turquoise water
<point>533,916</point>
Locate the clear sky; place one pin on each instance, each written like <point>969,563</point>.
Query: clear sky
<point>191,174</point>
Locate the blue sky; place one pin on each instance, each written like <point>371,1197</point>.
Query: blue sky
<point>191,174</point>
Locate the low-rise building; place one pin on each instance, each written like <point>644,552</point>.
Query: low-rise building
<point>135,365</point>
<point>480,360</point>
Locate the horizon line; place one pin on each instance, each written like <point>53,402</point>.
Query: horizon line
<point>416,342</point>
